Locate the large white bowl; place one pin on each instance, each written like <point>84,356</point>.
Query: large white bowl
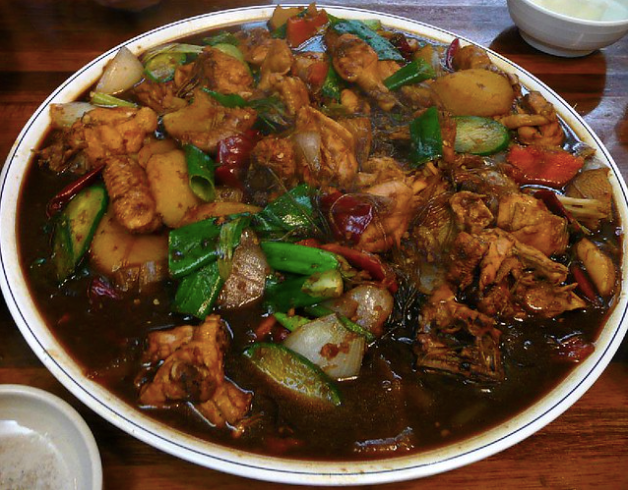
<point>242,463</point>
<point>562,35</point>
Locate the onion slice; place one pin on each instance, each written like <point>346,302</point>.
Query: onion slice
<point>309,144</point>
<point>121,73</point>
<point>65,115</point>
<point>329,345</point>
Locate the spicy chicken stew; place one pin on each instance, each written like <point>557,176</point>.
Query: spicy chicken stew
<point>320,238</point>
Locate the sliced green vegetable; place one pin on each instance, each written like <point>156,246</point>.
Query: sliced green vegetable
<point>480,135</point>
<point>193,246</point>
<point>414,72</point>
<point>382,46</point>
<point>283,295</point>
<point>327,284</point>
<point>223,37</point>
<point>272,116</point>
<point>298,259</point>
<point>332,86</point>
<point>291,322</point>
<point>231,50</point>
<point>197,293</point>
<point>161,68</point>
<point>426,137</point>
<point>98,98</point>
<point>227,100</point>
<point>228,240</point>
<point>75,228</point>
<point>191,50</point>
<point>200,173</point>
<point>294,372</point>
<point>291,212</point>
<point>320,311</point>
<point>373,24</point>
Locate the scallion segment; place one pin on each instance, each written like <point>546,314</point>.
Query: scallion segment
<point>426,137</point>
<point>200,173</point>
<point>197,292</point>
<point>416,71</point>
<point>298,259</point>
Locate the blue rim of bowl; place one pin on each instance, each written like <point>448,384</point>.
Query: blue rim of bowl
<point>406,468</point>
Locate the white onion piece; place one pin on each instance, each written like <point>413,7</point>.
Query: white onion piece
<point>309,144</point>
<point>64,115</point>
<point>368,305</point>
<point>329,345</point>
<point>121,73</point>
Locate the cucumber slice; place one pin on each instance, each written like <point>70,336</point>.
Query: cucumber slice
<point>294,372</point>
<point>480,135</point>
<point>75,228</point>
<point>161,68</point>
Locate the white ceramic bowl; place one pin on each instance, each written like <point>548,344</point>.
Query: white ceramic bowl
<point>44,442</point>
<point>276,469</point>
<point>562,35</point>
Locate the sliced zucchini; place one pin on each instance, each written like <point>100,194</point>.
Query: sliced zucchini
<point>294,372</point>
<point>480,135</point>
<point>75,227</point>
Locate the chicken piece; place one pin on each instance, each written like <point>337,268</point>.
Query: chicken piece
<point>254,44</point>
<point>356,62</point>
<point>469,57</point>
<point>164,97</point>
<point>465,255</point>
<point>475,355</point>
<point>536,122</point>
<point>102,132</point>
<point>292,91</point>
<point>392,218</point>
<point>162,343</point>
<point>276,155</point>
<point>498,301</point>
<point>193,371</point>
<point>377,170</point>
<point>488,181</point>
<point>354,103</point>
<point>360,128</point>
<point>336,163</point>
<point>278,61</point>
<point>224,73</point>
<point>529,220</point>
<point>305,65</point>
<point>205,122</point>
<point>418,95</point>
<point>471,213</point>
<point>133,204</point>
<point>544,267</point>
<point>547,300</point>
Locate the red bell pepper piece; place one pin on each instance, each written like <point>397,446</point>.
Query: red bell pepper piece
<point>300,29</point>
<point>317,73</point>
<point>348,215</point>
<point>547,166</point>
<point>68,192</point>
<point>368,262</point>
<point>452,49</point>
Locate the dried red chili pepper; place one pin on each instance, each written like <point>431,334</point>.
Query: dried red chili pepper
<point>585,285</point>
<point>101,288</point>
<point>348,215</point>
<point>58,202</point>
<point>551,200</point>
<point>233,156</point>
<point>452,49</point>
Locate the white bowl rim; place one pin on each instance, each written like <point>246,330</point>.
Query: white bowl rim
<point>574,20</point>
<point>41,399</point>
<point>251,464</point>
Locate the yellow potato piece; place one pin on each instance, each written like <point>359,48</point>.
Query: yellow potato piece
<point>599,266</point>
<point>474,92</point>
<point>114,248</point>
<point>168,179</point>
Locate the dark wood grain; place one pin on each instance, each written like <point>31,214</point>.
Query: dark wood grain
<point>43,41</point>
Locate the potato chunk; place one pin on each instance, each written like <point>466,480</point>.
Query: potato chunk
<point>474,92</point>
<point>168,180</point>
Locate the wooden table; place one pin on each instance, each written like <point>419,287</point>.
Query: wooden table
<point>43,41</point>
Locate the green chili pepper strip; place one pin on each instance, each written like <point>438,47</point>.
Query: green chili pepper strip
<point>382,46</point>
<point>227,100</point>
<point>200,173</point>
<point>98,98</point>
<point>283,295</point>
<point>426,137</point>
<point>193,246</point>
<point>291,212</point>
<point>293,322</point>
<point>414,72</point>
<point>198,292</point>
<point>319,311</point>
<point>298,259</point>
<point>332,84</point>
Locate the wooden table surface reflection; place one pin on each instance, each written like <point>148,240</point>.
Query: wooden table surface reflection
<point>43,41</point>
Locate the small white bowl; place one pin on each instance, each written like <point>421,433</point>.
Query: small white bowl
<point>44,443</point>
<point>562,35</point>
